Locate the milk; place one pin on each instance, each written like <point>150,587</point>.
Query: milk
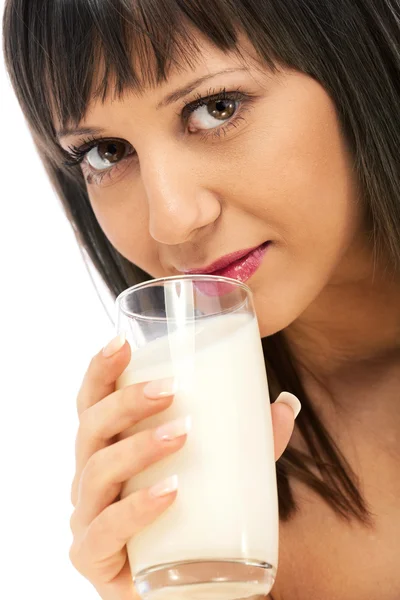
<point>226,506</point>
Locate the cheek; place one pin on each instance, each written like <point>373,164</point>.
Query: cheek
<point>305,186</point>
<point>306,195</point>
<point>124,222</point>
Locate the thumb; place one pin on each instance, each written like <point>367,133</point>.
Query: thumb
<point>283,412</point>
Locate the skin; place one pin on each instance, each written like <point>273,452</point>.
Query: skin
<point>283,174</point>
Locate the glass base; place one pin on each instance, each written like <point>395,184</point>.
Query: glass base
<point>206,580</point>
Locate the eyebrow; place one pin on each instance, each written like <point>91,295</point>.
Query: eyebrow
<point>168,100</point>
<point>81,131</point>
<point>184,91</point>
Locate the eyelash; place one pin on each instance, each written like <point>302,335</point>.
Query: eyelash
<point>77,154</point>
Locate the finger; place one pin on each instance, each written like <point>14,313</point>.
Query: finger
<point>283,412</point>
<point>99,381</point>
<point>108,533</point>
<point>112,529</point>
<point>101,375</point>
<point>115,413</point>
<point>102,478</point>
<point>120,586</point>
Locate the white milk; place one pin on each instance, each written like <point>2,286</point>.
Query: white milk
<point>226,507</point>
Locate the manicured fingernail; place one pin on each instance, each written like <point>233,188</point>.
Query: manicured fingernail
<point>160,388</point>
<point>174,429</point>
<point>291,400</point>
<point>115,345</point>
<point>165,487</point>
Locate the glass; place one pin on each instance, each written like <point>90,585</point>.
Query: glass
<point>219,538</point>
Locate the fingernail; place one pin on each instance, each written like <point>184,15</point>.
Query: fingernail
<point>291,400</point>
<point>115,345</point>
<point>165,487</point>
<point>174,429</point>
<point>160,388</point>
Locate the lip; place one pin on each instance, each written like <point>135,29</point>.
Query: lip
<point>223,262</point>
<point>240,265</point>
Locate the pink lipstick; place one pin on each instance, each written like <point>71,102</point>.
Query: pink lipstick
<point>240,265</point>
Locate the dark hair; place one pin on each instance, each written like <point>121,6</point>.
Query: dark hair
<point>351,47</point>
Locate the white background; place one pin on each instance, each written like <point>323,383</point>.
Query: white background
<point>52,323</point>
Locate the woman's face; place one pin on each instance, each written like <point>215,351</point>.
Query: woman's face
<point>267,162</point>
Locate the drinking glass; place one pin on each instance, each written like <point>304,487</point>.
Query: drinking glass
<point>219,538</point>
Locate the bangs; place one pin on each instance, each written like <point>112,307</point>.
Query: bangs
<point>73,51</point>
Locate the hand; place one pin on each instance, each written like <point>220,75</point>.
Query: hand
<point>101,523</point>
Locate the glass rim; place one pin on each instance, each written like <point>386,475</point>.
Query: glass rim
<point>159,280</point>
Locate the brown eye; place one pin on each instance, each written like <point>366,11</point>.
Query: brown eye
<point>212,114</point>
<point>107,153</point>
<point>221,109</point>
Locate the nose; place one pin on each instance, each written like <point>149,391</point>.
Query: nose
<point>179,202</point>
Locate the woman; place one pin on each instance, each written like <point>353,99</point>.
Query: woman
<point>178,132</point>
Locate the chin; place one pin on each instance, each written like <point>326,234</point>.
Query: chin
<point>266,331</point>
<point>275,312</point>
